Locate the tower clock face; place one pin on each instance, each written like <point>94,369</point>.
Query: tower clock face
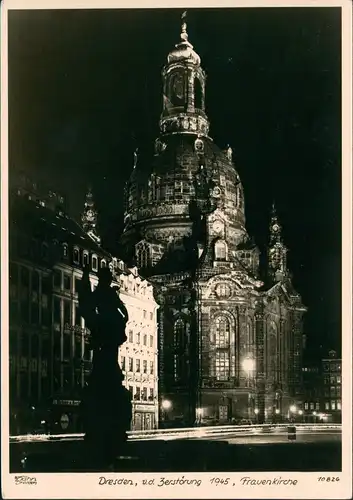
<point>90,214</point>
<point>218,226</point>
<point>275,227</point>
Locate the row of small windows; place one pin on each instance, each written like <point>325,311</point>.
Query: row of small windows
<point>333,367</point>
<point>329,405</point>
<point>332,379</point>
<point>138,337</point>
<point>127,365</point>
<point>142,393</point>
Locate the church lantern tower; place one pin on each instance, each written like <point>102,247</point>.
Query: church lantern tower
<point>89,218</point>
<point>277,251</point>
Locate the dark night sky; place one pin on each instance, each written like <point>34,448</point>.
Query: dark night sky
<point>85,90</point>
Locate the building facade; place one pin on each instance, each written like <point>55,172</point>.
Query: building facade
<point>331,397</point>
<point>230,345</point>
<point>49,350</point>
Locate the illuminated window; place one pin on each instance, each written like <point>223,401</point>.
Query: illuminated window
<point>317,406</point>
<point>222,365</point>
<point>306,406</point>
<point>85,259</point>
<point>327,405</point>
<point>94,263</point>
<point>339,405</point>
<point>311,406</point>
<point>338,379</point>
<point>333,405</point>
<point>179,330</point>
<point>65,250</point>
<point>220,250</point>
<point>221,337</point>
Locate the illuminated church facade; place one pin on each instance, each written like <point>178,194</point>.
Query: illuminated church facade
<point>230,346</point>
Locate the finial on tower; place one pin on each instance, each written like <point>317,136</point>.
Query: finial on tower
<point>135,157</point>
<point>89,217</point>
<point>183,34</point>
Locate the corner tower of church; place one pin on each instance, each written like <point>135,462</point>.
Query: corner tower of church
<point>221,337</point>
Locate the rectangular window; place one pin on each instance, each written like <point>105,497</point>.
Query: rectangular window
<point>338,391</point>
<point>67,282</point>
<point>338,379</point>
<point>151,340</point>
<point>151,316</point>
<point>67,346</point>
<point>131,365</point>
<point>145,340</point>
<point>131,336</point>
<point>222,365</point>
<point>57,312</point>
<point>138,365</point>
<point>57,278</point>
<point>144,314</point>
<point>317,406</point>
<point>144,394</point>
<point>332,379</point>
<point>327,405</point>
<point>311,406</point>
<point>339,405</point>
<point>306,406</point>
<point>137,338</point>
<point>144,366</point>
<point>151,396</point>
<point>123,367</point>
<point>138,393</point>
<point>67,312</point>
<point>77,316</point>
<point>333,405</point>
<point>151,367</point>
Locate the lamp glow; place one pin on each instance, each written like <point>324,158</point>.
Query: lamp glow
<point>293,409</point>
<point>199,412</point>
<point>277,411</point>
<point>256,411</point>
<point>248,365</point>
<point>300,412</point>
<point>166,404</point>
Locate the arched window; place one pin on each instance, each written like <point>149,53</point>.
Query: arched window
<point>94,263</point>
<point>220,250</point>
<point>65,250</point>
<point>222,332</point>
<point>143,255</point>
<point>85,259</point>
<point>76,255</point>
<point>220,361</point>
<point>272,352</point>
<point>103,263</point>
<point>198,93</point>
<point>179,332</point>
<point>45,251</point>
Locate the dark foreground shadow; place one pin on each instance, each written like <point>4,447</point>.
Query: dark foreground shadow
<point>183,456</point>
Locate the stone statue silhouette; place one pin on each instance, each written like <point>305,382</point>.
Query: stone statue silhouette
<point>106,403</point>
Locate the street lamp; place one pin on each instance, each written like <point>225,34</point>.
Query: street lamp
<point>277,411</point>
<point>166,404</point>
<point>293,409</point>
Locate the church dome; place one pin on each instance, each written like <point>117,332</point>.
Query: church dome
<point>184,52</point>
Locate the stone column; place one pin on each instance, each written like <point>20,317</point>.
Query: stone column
<point>260,367</point>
